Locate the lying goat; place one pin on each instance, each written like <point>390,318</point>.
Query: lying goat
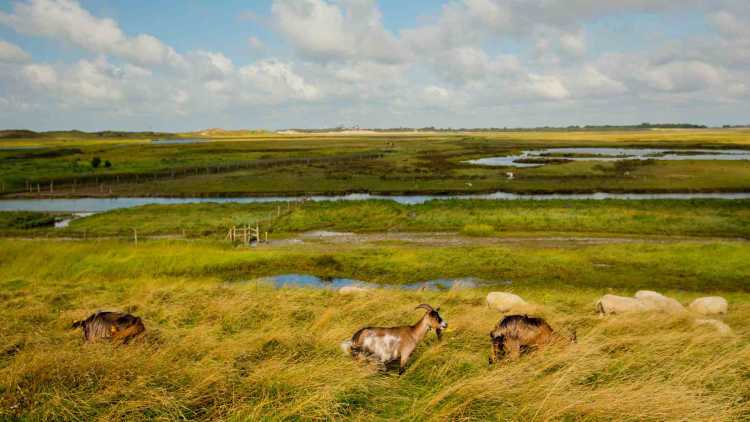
<point>515,334</point>
<point>115,326</point>
<point>394,343</point>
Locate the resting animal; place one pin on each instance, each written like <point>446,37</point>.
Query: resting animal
<point>115,326</point>
<point>515,334</point>
<point>389,344</point>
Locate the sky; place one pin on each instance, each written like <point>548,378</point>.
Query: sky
<point>181,65</point>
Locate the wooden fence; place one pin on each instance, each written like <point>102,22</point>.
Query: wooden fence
<point>105,181</point>
<point>248,234</point>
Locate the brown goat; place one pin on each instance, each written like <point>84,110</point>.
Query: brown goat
<point>388,344</point>
<point>515,334</point>
<point>115,326</point>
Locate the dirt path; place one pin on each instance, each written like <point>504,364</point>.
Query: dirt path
<point>420,238</point>
<point>453,239</point>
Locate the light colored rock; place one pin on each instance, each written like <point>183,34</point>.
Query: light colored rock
<point>612,304</point>
<point>711,305</point>
<point>658,302</point>
<point>503,301</point>
<point>720,327</point>
<point>351,290</point>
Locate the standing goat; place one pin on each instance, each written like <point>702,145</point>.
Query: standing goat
<point>115,326</point>
<point>394,343</point>
<point>515,334</point>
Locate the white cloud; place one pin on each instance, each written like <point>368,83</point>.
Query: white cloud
<point>276,81</point>
<point>573,43</point>
<point>547,87</point>
<point>66,20</point>
<point>475,62</point>
<point>348,29</point>
<point>40,75</point>
<point>11,53</point>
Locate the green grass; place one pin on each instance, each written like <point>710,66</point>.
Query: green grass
<point>240,351</point>
<point>706,218</point>
<point>407,163</point>
<point>699,266</point>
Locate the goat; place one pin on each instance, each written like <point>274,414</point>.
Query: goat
<point>115,326</point>
<point>515,334</point>
<point>389,344</point>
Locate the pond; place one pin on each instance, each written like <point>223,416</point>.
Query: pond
<point>108,204</point>
<point>536,158</point>
<point>311,281</point>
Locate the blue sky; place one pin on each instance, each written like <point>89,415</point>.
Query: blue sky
<point>185,65</point>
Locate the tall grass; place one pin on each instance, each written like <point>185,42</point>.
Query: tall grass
<point>244,351</point>
<point>721,218</point>
<point>693,266</point>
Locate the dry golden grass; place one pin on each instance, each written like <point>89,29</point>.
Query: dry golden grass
<point>218,351</point>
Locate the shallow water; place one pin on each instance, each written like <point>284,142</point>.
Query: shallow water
<point>108,204</point>
<point>311,281</point>
<point>65,222</point>
<point>614,154</point>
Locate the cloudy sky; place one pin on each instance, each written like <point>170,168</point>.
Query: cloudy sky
<point>190,64</point>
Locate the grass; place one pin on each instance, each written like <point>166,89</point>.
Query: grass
<point>270,164</point>
<point>704,218</point>
<point>221,346</point>
<point>236,351</point>
<point>692,265</point>
<point>478,230</point>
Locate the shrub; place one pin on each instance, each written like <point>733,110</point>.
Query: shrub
<point>95,162</point>
<point>26,220</point>
<point>478,230</point>
<point>107,164</point>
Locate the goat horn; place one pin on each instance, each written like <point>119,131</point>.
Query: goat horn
<point>425,306</point>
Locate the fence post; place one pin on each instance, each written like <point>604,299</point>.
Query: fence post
<point>135,236</point>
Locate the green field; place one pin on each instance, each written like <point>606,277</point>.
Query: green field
<point>386,163</point>
<point>696,218</point>
<point>222,343</point>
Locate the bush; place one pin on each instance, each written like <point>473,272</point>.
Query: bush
<point>26,220</point>
<point>478,230</point>
<point>107,164</point>
<point>95,162</point>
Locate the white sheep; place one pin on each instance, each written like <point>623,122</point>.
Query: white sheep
<point>503,301</point>
<point>611,304</point>
<point>710,305</point>
<point>720,327</point>
<point>658,302</point>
